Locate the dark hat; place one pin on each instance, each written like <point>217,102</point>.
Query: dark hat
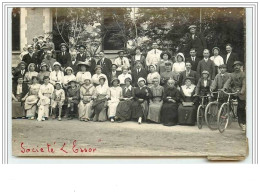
<point>98,66</point>
<point>128,78</point>
<point>82,46</point>
<point>238,63</point>
<point>35,77</point>
<point>216,49</point>
<point>205,72</point>
<point>115,65</point>
<point>222,66</point>
<point>22,63</point>
<point>40,36</point>
<point>63,44</point>
<point>45,47</point>
<point>192,26</point>
<point>121,51</point>
<point>45,77</point>
<point>72,81</point>
<point>166,52</point>
<point>168,64</point>
<point>80,63</point>
<point>115,79</point>
<point>189,78</point>
<point>102,77</point>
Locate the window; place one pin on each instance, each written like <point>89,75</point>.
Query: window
<point>16,29</point>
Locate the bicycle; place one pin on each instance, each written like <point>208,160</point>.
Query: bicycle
<point>224,114</point>
<point>201,111</point>
<point>211,112</point>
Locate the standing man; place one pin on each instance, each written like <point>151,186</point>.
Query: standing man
<point>64,56</point>
<point>49,60</point>
<point>81,55</point>
<point>196,41</point>
<point>230,58</point>
<point>31,57</point>
<point>91,61</point>
<point>153,56</point>
<point>138,72</point>
<point>21,70</point>
<point>237,82</point>
<point>193,59</point>
<point>73,62</point>
<point>105,63</point>
<point>206,64</point>
<point>187,73</point>
<point>120,61</point>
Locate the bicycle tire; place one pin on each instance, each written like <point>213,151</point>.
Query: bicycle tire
<point>211,115</point>
<point>200,116</point>
<point>223,115</point>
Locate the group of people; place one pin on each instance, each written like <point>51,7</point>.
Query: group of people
<point>158,87</point>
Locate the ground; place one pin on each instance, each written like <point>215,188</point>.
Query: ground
<point>75,138</point>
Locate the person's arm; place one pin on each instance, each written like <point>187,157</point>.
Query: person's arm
<point>243,89</point>
<point>198,87</point>
<point>81,92</point>
<point>214,84</point>
<point>198,70</point>
<point>14,98</point>
<point>213,71</point>
<point>203,41</point>
<point>227,84</point>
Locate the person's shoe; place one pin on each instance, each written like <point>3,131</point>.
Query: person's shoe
<point>112,120</point>
<point>86,120</point>
<point>243,127</point>
<point>140,120</point>
<point>59,118</point>
<point>32,118</point>
<point>46,118</point>
<point>43,119</point>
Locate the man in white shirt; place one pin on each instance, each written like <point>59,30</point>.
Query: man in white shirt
<point>121,61</point>
<point>153,56</point>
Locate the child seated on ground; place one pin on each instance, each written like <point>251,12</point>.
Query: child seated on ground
<point>58,98</point>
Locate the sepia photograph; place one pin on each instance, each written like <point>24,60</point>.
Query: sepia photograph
<point>129,82</point>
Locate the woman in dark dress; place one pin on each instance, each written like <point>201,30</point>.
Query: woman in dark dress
<point>20,90</point>
<point>171,99</point>
<point>140,104</point>
<point>138,56</point>
<point>123,111</point>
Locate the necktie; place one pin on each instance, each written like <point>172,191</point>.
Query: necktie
<point>193,59</point>
<point>122,62</point>
<point>63,53</point>
<point>155,51</point>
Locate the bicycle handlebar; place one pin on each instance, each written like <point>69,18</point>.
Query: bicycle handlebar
<point>231,93</point>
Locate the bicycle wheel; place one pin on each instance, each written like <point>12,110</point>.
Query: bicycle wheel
<point>223,117</point>
<point>211,115</point>
<point>200,116</point>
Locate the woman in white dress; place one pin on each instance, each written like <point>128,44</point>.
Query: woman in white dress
<point>153,74</point>
<point>96,77</point>
<point>84,73</point>
<point>216,58</point>
<point>179,65</point>
<point>115,94</point>
<point>68,77</point>
<point>87,91</point>
<point>31,72</point>
<point>56,75</point>
<point>31,98</point>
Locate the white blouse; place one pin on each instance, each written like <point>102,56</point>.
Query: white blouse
<point>151,76</point>
<point>115,93</point>
<point>56,77</point>
<point>218,60</point>
<point>102,90</point>
<point>178,67</point>
<point>81,76</point>
<point>122,77</point>
<point>187,91</point>
<point>68,78</point>
<point>95,79</point>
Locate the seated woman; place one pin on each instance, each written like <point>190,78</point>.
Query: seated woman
<point>68,77</point>
<point>87,91</point>
<point>123,76</point>
<point>165,58</point>
<point>31,98</point>
<point>156,101</point>
<point>44,72</point>
<point>58,99</point>
<point>168,74</point>
<point>171,99</point>
<point>153,74</point>
<point>72,99</point>
<point>56,75</point>
<point>123,111</point>
<point>115,94</point>
<point>45,94</point>
<point>140,103</point>
<point>31,72</point>
<point>96,77</point>
<point>84,72</point>
<point>100,100</point>
<point>20,90</point>
<point>188,109</point>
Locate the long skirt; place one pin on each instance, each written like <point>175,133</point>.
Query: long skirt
<point>139,109</point>
<point>85,110</point>
<point>112,108</point>
<point>17,110</point>
<point>169,113</point>
<point>155,111</point>
<point>187,115</point>
<point>123,110</point>
<point>31,111</point>
<point>100,107</point>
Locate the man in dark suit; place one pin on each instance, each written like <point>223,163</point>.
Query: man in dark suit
<point>193,59</point>
<point>138,72</point>
<point>73,62</point>
<point>187,73</point>
<point>20,71</point>
<point>112,74</point>
<point>64,56</point>
<point>31,57</point>
<point>206,64</point>
<point>81,56</point>
<point>105,63</point>
<point>92,62</point>
<point>196,40</point>
<point>230,58</point>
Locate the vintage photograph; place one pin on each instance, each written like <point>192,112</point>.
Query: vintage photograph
<point>129,82</point>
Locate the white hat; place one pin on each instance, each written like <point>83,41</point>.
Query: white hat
<point>56,64</point>
<point>68,68</point>
<point>141,79</point>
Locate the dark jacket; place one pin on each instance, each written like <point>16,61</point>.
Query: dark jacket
<point>106,66</point>
<point>209,66</point>
<point>73,66</point>
<point>28,59</point>
<point>142,59</point>
<point>63,59</point>
<point>110,77</point>
<point>136,76</point>
<point>201,90</point>
<point>183,75</point>
<point>81,58</point>
<point>17,74</point>
<point>232,58</point>
<point>92,67</point>
<point>199,43</point>
<point>194,64</point>
<point>25,89</point>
